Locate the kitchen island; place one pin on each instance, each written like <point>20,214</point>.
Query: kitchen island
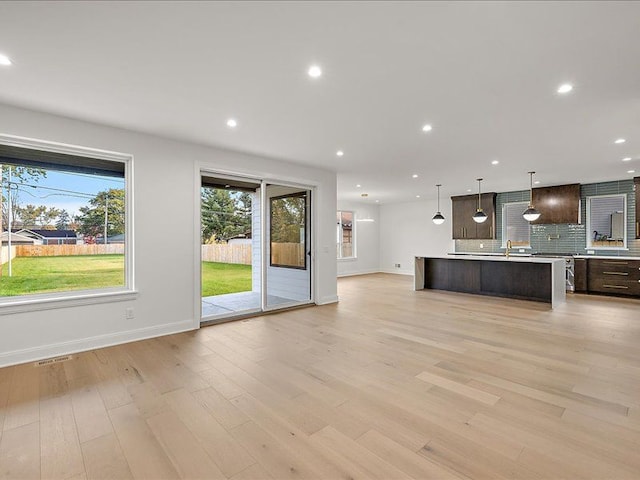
<point>526,278</point>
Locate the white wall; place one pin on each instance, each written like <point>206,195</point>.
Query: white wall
<point>406,231</point>
<point>166,189</point>
<point>367,240</point>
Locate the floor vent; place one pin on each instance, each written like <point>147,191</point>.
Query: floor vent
<point>51,361</point>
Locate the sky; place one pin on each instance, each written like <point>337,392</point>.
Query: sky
<point>85,186</point>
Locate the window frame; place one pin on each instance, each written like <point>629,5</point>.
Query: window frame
<point>354,253</point>
<point>306,233</point>
<point>525,204</point>
<point>589,237</point>
<point>45,301</point>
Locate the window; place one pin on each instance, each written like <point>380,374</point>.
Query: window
<point>64,227</point>
<point>345,243</point>
<point>606,221</point>
<point>288,218</point>
<point>514,226</point>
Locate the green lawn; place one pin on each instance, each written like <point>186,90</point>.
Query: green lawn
<point>53,274</point>
<point>81,272</point>
<point>219,278</point>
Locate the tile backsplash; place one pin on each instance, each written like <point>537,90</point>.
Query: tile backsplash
<point>563,238</point>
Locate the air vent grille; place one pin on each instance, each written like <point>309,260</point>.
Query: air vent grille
<point>51,361</point>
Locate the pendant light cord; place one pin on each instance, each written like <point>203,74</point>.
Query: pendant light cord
<point>531,189</point>
<point>479,195</point>
<point>438,186</point>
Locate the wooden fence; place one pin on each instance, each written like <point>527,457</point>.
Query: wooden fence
<point>60,250</point>
<point>4,254</point>
<point>288,254</point>
<point>225,253</point>
<point>282,253</point>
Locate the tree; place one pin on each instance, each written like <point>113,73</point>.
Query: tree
<point>287,219</point>
<point>225,214</point>
<point>47,217</point>
<point>64,220</point>
<point>91,220</point>
<point>30,215</point>
<point>18,174</point>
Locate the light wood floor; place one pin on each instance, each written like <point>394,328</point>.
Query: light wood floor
<point>387,384</point>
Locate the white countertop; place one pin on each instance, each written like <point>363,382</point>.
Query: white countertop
<point>497,254</point>
<point>499,258</point>
<point>490,254</point>
<point>607,257</point>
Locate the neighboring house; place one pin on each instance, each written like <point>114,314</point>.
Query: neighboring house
<point>115,239</point>
<point>17,239</point>
<point>50,237</point>
<point>242,239</point>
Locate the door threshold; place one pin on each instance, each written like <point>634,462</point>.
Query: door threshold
<point>243,316</point>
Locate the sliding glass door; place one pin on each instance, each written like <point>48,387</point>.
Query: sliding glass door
<point>231,261</point>
<point>255,246</point>
<point>288,279</point>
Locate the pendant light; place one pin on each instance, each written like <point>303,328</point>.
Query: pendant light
<point>531,214</point>
<point>438,218</point>
<point>479,216</point>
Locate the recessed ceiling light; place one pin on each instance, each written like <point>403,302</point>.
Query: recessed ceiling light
<point>565,88</point>
<point>358,186</point>
<point>415,175</point>
<point>626,159</point>
<point>4,60</point>
<point>620,140</point>
<point>631,171</point>
<point>537,182</point>
<point>232,123</point>
<point>377,201</point>
<point>495,162</point>
<point>469,190</point>
<point>427,128</point>
<point>339,153</point>
<point>417,196</point>
<point>314,71</point>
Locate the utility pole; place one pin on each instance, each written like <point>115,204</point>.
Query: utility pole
<point>106,214</point>
<point>9,208</point>
<point>1,219</point>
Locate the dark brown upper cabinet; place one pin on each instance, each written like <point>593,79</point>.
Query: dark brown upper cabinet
<point>636,182</point>
<point>463,208</point>
<point>558,204</point>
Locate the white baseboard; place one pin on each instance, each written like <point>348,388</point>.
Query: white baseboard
<point>99,341</point>
<point>359,272</point>
<point>395,271</point>
<point>327,299</point>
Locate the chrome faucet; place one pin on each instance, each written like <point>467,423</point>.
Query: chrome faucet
<point>508,248</point>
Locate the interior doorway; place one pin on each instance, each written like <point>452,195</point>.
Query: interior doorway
<point>255,241</point>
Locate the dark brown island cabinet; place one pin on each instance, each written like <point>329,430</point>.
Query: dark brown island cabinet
<point>559,204</point>
<point>536,279</point>
<point>463,209</point>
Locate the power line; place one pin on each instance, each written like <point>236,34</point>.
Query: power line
<point>87,195</point>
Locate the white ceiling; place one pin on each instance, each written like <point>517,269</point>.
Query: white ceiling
<point>484,74</point>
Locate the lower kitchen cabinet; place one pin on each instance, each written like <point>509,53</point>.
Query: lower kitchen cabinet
<point>613,276</point>
<point>580,275</point>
